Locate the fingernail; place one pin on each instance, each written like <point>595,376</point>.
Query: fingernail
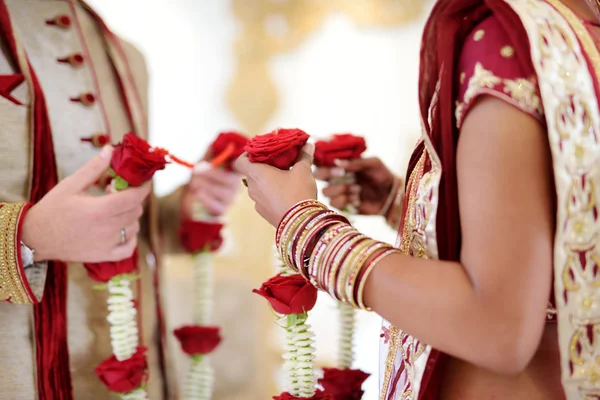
<point>202,167</point>
<point>106,152</point>
<point>341,163</point>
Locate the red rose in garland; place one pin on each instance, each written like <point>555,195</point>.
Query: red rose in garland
<point>198,340</point>
<point>135,162</point>
<point>319,395</point>
<point>226,148</point>
<point>104,271</point>
<point>343,384</point>
<point>197,236</point>
<point>279,148</point>
<point>289,294</point>
<point>339,147</point>
<point>123,376</point>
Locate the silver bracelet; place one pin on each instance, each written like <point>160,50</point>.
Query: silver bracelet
<point>27,255</point>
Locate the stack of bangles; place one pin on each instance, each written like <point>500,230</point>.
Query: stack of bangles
<point>326,250</point>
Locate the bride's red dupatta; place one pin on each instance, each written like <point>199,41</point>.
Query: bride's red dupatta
<point>448,26</point>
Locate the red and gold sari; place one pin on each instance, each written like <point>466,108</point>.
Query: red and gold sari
<point>538,56</point>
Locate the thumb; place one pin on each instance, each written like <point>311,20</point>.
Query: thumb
<point>306,154</point>
<point>87,175</point>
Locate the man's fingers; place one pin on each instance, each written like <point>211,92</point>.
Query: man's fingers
<point>121,252</point>
<point>213,205</point>
<point>89,174</point>
<point>120,202</point>
<point>130,233</point>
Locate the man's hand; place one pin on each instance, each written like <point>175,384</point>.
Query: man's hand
<point>213,188</point>
<point>70,225</point>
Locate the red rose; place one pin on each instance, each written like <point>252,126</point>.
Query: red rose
<point>339,147</point>
<point>197,236</point>
<point>229,144</point>
<point>289,294</point>
<point>104,271</point>
<point>133,161</point>
<point>124,376</point>
<point>319,395</point>
<point>279,148</point>
<point>198,340</point>
<point>345,384</point>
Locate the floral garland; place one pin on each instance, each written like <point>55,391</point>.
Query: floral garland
<point>343,382</point>
<point>125,373</point>
<point>290,295</point>
<point>201,237</point>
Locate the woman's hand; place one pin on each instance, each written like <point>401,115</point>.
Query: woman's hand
<point>372,185</point>
<point>275,191</point>
<point>213,188</point>
<point>70,225</point>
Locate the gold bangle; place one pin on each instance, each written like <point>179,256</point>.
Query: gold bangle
<point>288,234</point>
<point>358,267</point>
<point>365,276</point>
<point>295,209</point>
<point>305,233</point>
<point>339,256</point>
<point>347,263</point>
<point>315,260</point>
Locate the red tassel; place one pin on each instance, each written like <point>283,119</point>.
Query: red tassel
<point>176,160</point>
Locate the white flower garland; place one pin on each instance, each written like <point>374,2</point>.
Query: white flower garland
<point>300,357</point>
<point>124,332</point>
<point>200,376</point>
<point>124,337</point>
<point>200,379</point>
<point>347,314</point>
<point>299,350</point>
<point>347,319</point>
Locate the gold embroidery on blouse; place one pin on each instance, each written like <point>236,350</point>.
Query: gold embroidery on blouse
<point>482,78</point>
<point>11,277</point>
<point>507,51</point>
<point>523,91</point>
<point>479,35</point>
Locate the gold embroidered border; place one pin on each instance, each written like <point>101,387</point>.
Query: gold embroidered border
<point>12,277</point>
<point>395,334</point>
<point>559,41</point>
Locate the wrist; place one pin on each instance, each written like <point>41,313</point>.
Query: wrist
<point>31,238</point>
